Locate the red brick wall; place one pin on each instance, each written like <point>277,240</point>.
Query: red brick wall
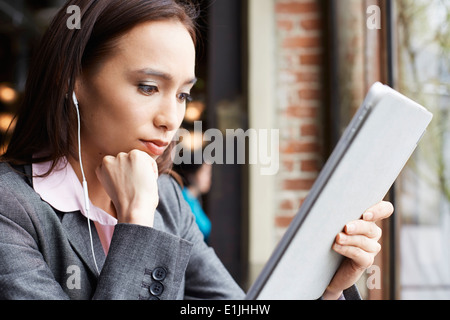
<point>299,99</point>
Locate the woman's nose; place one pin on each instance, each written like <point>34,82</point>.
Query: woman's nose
<point>167,115</point>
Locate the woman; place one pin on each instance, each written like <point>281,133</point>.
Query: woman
<point>131,68</point>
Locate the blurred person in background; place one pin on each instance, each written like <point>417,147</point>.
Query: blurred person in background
<point>196,182</point>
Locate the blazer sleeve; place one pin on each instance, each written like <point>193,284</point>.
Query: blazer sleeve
<point>24,274</point>
<point>206,276</point>
<point>352,293</point>
<point>192,270</point>
<point>135,252</point>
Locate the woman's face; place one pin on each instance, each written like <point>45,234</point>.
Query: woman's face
<point>136,98</point>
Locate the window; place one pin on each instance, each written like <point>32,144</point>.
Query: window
<point>422,49</point>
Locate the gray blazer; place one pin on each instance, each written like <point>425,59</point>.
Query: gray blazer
<point>46,254</point>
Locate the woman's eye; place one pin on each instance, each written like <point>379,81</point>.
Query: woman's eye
<point>185,97</point>
<point>148,90</point>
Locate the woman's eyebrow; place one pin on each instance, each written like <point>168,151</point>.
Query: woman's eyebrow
<point>163,75</point>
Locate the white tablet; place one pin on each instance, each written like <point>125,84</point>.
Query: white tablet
<point>364,165</point>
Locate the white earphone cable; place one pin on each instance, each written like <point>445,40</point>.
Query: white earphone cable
<point>85,187</point>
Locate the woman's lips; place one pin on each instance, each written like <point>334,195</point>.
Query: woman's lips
<point>155,147</point>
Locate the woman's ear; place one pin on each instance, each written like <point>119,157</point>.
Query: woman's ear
<point>78,89</point>
<point>77,86</point>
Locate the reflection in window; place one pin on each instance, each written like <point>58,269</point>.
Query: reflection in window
<point>423,190</point>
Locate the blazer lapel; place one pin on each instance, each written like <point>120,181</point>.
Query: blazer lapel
<point>75,225</point>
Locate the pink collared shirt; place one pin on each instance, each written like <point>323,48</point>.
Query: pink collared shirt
<point>64,192</point>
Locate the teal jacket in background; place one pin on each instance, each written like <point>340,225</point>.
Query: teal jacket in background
<point>201,218</point>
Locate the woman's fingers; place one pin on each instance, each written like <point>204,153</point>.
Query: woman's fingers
<point>362,227</point>
<point>359,243</point>
<point>359,248</point>
<point>360,259</point>
<point>130,179</point>
<point>367,225</point>
<point>380,211</point>
<point>362,242</point>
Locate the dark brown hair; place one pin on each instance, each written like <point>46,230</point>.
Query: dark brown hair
<point>46,122</point>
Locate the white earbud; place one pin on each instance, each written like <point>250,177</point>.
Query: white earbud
<point>74,98</point>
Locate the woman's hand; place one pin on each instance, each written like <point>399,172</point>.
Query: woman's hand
<point>130,179</point>
<point>359,244</point>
